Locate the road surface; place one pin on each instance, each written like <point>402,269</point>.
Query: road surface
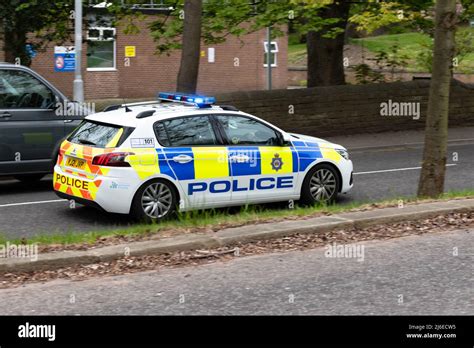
<point>413,275</point>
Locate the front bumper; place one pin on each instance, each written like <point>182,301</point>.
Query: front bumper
<point>346,167</point>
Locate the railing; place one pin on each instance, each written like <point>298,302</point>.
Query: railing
<point>135,4</point>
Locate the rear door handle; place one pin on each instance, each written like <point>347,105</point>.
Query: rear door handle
<point>5,115</point>
<point>68,121</point>
<point>182,159</point>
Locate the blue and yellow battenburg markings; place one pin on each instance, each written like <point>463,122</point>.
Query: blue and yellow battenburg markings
<point>218,162</point>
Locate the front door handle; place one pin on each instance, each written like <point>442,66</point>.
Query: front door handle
<point>5,115</point>
<point>68,121</point>
<point>239,158</point>
<point>182,159</point>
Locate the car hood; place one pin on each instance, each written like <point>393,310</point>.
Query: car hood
<point>321,142</point>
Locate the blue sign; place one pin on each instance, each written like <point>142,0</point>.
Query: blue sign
<point>30,51</point>
<point>64,59</point>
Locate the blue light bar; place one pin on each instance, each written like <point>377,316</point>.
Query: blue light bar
<point>192,99</point>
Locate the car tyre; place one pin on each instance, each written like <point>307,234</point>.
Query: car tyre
<point>321,185</point>
<point>154,201</point>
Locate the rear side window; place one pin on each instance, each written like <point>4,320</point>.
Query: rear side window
<point>99,134</point>
<point>186,131</point>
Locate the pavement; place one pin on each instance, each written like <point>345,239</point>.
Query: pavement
<point>232,235</point>
<point>386,166</point>
<point>415,275</point>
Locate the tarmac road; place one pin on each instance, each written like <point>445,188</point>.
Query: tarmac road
<point>415,275</point>
<point>383,169</point>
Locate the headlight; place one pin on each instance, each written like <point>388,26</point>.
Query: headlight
<point>343,153</point>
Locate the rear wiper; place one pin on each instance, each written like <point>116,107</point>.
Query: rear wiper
<point>86,142</point>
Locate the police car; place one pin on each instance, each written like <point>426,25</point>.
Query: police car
<point>182,152</point>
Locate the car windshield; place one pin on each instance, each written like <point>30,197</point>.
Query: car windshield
<point>98,134</point>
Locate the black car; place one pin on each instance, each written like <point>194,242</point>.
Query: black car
<point>34,119</point>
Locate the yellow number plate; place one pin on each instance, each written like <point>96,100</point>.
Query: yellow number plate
<point>75,163</point>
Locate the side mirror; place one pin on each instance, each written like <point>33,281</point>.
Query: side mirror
<point>285,139</point>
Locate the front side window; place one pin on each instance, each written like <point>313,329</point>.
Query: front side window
<point>96,134</point>
<point>100,48</point>
<point>247,131</point>
<point>21,90</point>
<point>186,131</point>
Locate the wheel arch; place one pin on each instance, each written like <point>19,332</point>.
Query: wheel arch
<point>326,162</point>
<point>154,178</point>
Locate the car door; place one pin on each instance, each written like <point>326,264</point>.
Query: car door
<point>262,167</point>
<point>197,158</point>
<point>29,126</point>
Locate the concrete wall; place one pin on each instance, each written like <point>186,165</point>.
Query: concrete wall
<point>349,109</point>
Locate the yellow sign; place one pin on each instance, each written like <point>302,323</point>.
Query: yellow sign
<point>130,51</point>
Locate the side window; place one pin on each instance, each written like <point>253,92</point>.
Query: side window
<point>186,131</point>
<point>20,90</point>
<point>247,131</point>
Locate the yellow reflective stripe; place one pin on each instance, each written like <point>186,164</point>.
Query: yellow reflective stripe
<point>210,162</point>
<point>272,156</point>
<point>113,142</point>
<point>330,154</point>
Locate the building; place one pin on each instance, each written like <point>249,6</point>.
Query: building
<point>235,65</point>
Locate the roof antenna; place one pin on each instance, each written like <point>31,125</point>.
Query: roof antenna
<point>127,109</point>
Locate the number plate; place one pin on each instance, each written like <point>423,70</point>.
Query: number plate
<point>75,163</point>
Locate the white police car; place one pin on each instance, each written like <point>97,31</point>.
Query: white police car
<point>182,152</point>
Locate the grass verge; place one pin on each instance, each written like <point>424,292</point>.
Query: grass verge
<point>213,220</point>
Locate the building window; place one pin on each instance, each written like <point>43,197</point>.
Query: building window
<point>101,48</point>
<point>273,53</point>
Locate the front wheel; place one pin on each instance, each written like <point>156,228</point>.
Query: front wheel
<point>320,185</point>
<point>154,201</point>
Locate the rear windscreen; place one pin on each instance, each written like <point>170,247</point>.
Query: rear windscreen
<point>97,134</point>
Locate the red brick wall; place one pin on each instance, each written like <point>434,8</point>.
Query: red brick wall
<point>149,73</point>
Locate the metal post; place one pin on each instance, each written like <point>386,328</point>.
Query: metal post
<point>269,58</point>
<point>78,89</point>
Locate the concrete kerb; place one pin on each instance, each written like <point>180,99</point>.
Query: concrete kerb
<point>231,236</point>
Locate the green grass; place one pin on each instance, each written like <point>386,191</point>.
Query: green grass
<point>218,218</point>
<point>410,45</point>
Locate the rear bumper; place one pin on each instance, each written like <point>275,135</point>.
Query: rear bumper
<point>79,200</point>
<point>109,193</point>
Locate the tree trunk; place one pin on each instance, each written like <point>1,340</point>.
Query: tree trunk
<point>326,55</point>
<point>190,54</point>
<point>436,132</point>
<point>14,47</point>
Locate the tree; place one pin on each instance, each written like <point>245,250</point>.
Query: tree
<point>44,20</point>
<point>190,53</point>
<point>326,47</point>
<point>433,170</point>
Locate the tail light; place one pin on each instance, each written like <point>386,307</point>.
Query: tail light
<point>113,159</point>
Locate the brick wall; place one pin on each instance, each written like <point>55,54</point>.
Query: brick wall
<point>349,109</point>
<point>149,72</point>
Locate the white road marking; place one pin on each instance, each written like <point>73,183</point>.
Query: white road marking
<point>31,203</point>
<point>395,170</point>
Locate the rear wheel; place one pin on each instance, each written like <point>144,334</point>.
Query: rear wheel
<point>29,177</point>
<point>320,185</point>
<point>154,201</point>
